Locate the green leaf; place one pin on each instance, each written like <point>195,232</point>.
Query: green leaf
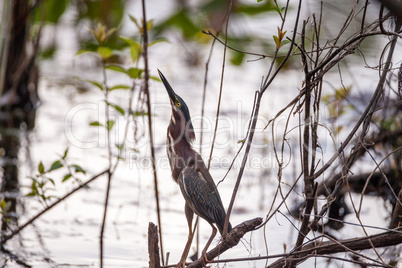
<point>48,53</point>
<point>65,153</point>
<point>259,1</point>
<point>117,108</point>
<point>56,165</point>
<point>52,181</point>
<point>119,87</point>
<point>277,9</point>
<point>96,124</point>
<point>31,194</point>
<point>82,51</point>
<point>135,22</point>
<point>97,84</point>
<point>49,11</point>
<point>116,68</point>
<point>138,113</point>
<point>128,40</point>
<point>284,42</point>
<point>150,24</point>
<point>79,169</point>
<point>135,52</point>
<point>159,40</point>
<point>155,78</point>
<point>105,52</point>
<point>66,177</point>
<point>255,9</point>
<point>110,124</point>
<point>134,72</point>
<point>237,58</point>
<point>120,146</point>
<point>41,168</point>
<point>277,42</point>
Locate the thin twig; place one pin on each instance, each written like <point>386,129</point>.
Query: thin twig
<point>151,137</point>
<point>30,221</point>
<point>221,86</point>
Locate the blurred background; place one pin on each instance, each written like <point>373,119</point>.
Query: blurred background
<point>72,98</point>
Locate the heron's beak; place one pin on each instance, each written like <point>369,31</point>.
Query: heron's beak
<point>169,89</point>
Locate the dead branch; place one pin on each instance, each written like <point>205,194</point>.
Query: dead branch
<point>5,238</point>
<point>153,248</point>
<point>397,214</point>
<point>231,240</point>
<point>370,143</point>
<point>385,239</point>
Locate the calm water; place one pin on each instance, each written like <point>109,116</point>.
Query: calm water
<point>68,236</point>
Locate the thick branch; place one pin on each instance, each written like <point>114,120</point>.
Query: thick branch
<point>385,239</point>
<point>231,240</point>
<point>153,248</point>
<point>397,214</point>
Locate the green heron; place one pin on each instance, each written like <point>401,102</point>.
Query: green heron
<point>189,171</point>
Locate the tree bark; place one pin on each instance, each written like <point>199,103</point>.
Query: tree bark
<point>231,240</point>
<point>385,239</point>
<point>153,248</point>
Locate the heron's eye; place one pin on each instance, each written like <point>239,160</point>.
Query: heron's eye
<point>178,104</point>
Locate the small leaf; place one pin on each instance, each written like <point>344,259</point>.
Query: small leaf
<point>119,87</point>
<point>134,150</point>
<point>66,177</point>
<point>285,42</point>
<point>277,42</point>
<point>79,169</point>
<point>281,34</point>
<point>82,51</point>
<point>41,168</point>
<point>105,52</point>
<point>150,24</point>
<point>155,78</point>
<point>135,52</point>
<point>116,68</point>
<point>97,84</point>
<point>65,153</point>
<point>135,22</point>
<point>159,40</point>
<point>134,72</point>
<point>259,1</point>
<point>110,124</point>
<point>101,33</point>
<point>120,146</point>
<point>56,165</point>
<point>52,181</point>
<point>138,113</point>
<point>96,124</point>
<point>128,40</point>
<point>277,9</point>
<point>117,108</point>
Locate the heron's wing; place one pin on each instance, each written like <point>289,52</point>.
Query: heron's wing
<point>202,196</point>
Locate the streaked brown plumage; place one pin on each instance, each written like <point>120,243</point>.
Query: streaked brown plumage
<point>189,171</point>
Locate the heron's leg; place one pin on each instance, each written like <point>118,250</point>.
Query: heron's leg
<point>204,258</point>
<point>189,215</point>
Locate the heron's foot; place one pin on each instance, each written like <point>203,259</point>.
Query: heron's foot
<point>181,264</point>
<point>204,259</point>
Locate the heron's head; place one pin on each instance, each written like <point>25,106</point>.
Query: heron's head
<point>180,113</point>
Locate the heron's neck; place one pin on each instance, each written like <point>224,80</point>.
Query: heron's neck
<point>179,150</point>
